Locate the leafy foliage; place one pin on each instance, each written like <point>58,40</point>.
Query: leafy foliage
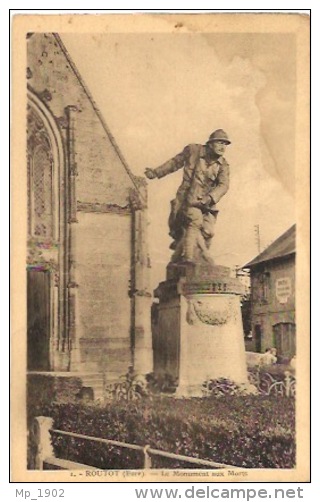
<point>43,390</point>
<point>223,386</point>
<point>161,383</point>
<point>250,431</point>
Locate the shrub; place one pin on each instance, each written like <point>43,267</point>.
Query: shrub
<point>43,390</point>
<point>250,431</point>
<point>161,383</point>
<point>223,386</point>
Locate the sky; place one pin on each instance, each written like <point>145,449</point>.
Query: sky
<point>160,92</point>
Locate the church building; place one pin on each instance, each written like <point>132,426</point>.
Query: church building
<point>88,298</point>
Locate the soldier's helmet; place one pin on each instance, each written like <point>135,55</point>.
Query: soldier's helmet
<point>219,135</point>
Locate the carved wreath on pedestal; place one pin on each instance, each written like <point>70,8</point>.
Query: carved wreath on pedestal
<point>204,311</point>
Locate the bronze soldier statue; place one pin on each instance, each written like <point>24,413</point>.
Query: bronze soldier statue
<point>193,212</point>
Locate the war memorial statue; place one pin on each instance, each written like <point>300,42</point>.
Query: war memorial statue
<point>198,332</point>
<point>194,211</point>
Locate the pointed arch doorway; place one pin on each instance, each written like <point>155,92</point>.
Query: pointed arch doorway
<point>46,264</point>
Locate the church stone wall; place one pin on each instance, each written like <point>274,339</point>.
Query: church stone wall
<point>98,216</point>
<point>104,306</point>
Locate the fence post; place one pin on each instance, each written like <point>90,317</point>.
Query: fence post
<point>287,381</point>
<point>147,459</point>
<point>42,438</point>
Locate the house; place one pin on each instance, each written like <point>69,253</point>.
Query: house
<point>88,299</point>
<point>272,275</point>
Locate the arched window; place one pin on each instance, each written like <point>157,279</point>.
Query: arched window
<point>40,178</point>
<point>42,193</point>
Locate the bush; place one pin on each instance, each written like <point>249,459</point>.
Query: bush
<point>161,383</point>
<point>224,387</point>
<point>43,390</point>
<point>250,431</point>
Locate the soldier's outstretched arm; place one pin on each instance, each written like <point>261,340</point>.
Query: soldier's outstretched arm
<point>170,166</point>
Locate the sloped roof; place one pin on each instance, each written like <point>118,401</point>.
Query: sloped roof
<point>285,245</point>
<point>134,179</point>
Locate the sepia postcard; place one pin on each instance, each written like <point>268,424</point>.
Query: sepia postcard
<point>160,237</point>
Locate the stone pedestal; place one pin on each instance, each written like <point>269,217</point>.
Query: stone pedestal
<point>198,334</point>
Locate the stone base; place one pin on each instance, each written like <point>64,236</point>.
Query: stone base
<point>199,334</point>
<point>188,390</point>
<point>211,340</point>
<point>143,360</point>
<point>61,361</point>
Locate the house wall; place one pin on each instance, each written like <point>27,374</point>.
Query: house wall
<point>273,298</point>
